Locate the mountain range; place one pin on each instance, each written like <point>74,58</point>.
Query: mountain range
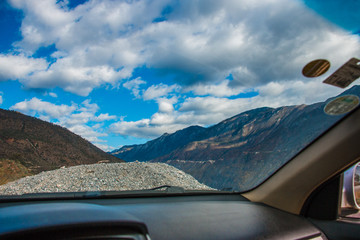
<point>242,151</point>
<point>29,145</point>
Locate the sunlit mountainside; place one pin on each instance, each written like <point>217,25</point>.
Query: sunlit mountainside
<point>239,151</point>
<point>29,145</point>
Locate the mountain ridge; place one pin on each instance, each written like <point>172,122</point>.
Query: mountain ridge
<point>241,151</point>
<point>151,148</point>
<point>37,145</point>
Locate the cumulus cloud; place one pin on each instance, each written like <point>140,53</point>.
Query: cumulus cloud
<point>232,38</point>
<point>104,117</point>
<point>91,50</point>
<point>221,89</point>
<point>263,45</point>
<point>134,86</point>
<point>209,110</point>
<point>74,78</point>
<point>1,99</point>
<point>160,122</point>
<point>37,106</point>
<point>78,118</point>
<point>200,42</point>
<point>52,94</point>
<point>19,66</point>
<point>87,133</point>
<point>166,104</point>
<point>213,109</point>
<point>160,90</point>
<point>143,128</point>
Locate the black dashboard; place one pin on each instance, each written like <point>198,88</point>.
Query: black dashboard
<point>166,217</point>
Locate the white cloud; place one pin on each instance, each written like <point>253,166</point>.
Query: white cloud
<point>143,128</point>
<point>87,133</point>
<point>166,104</point>
<point>92,41</point>
<point>208,45</point>
<point>214,109</point>
<point>160,122</point>
<point>1,99</point>
<point>14,67</point>
<point>76,118</point>
<point>74,77</point>
<point>101,42</point>
<point>209,110</point>
<point>104,117</point>
<point>134,86</point>
<point>36,105</point>
<point>87,106</point>
<point>160,90</point>
<point>262,45</point>
<point>105,147</point>
<point>43,22</point>
<point>52,94</point>
<point>221,89</point>
<point>161,119</point>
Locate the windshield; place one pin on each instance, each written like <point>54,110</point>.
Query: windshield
<point>203,95</point>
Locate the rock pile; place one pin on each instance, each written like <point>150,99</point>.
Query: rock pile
<point>103,177</point>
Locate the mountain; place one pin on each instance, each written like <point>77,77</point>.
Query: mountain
<point>155,148</point>
<point>29,145</point>
<point>242,151</point>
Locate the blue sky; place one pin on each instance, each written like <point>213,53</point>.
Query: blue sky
<point>124,72</point>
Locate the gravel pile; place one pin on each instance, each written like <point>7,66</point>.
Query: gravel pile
<point>103,177</point>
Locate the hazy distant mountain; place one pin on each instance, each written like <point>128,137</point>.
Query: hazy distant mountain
<point>238,152</point>
<point>29,145</point>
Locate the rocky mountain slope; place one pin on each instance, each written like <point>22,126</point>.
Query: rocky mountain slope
<point>29,145</point>
<point>103,177</point>
<point>240,152</point>
<point>160,146</point>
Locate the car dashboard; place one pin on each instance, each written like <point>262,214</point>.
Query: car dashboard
<point>213,216</point>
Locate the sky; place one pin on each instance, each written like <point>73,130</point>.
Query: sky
<point>124,72</point>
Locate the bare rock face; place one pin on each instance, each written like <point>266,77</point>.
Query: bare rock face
<point>103,177</point>
<point>240,152</point>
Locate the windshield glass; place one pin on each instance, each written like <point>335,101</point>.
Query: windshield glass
<point>204,95</point>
